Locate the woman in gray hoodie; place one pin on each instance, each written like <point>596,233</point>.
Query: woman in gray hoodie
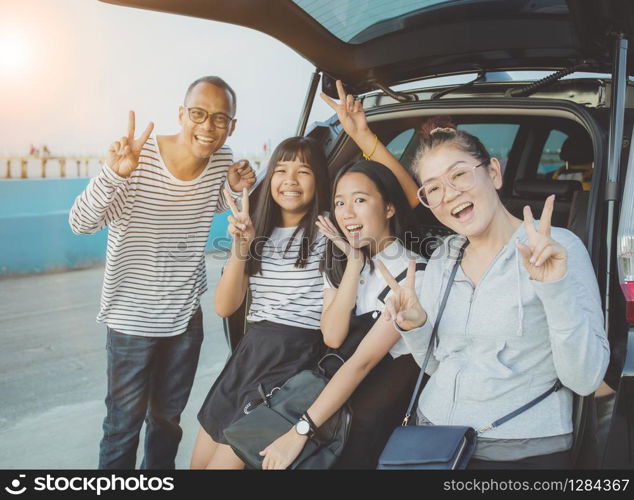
<point>523,312</point>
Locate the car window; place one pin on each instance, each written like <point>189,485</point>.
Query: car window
<point>358,21</point>
<point>497,138</point>
<point>398,145</point>
<point>550,160</point>
<point>567,157</point>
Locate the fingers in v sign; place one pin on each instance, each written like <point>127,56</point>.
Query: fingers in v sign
<point>349,111</point>
<point>403,305</point>
<point>328,229</point>
<point>240,224</point>
<point>123,155</point>
<point>544,258</point>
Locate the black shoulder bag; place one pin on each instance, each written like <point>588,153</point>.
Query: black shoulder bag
<point>278,412</point>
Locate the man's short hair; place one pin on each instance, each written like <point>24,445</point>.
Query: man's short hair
<point>218,82</point>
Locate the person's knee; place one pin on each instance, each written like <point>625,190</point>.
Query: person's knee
<point>199,462</point>
<point>204,448</point>
<point>124,418</point>
<point>224,458</point>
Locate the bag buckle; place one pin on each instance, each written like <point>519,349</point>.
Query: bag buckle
<point>247,408</point>
<point>405,420</point>
<point>484,429</point>
<point>265,399</point>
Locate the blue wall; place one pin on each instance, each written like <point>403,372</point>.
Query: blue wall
<point>34,231</point>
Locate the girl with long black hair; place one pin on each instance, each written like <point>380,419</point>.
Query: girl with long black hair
<point>372,223</point>
<point>276,256</point>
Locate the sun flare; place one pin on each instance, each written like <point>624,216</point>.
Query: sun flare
<point>14,53</point>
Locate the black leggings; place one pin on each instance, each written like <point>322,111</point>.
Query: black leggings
<point>378,407</point>
<point>560,460</point>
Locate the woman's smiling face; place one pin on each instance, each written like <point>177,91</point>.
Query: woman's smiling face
<point>361,213</point>
<point>467,212</point>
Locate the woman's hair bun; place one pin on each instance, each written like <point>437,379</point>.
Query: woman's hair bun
<point>435,124</point>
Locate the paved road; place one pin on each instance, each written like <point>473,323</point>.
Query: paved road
<point>52,370</point>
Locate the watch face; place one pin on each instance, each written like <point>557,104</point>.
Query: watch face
<point>302,427</point>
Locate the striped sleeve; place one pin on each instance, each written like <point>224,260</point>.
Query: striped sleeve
<point>100,204</point>
<point>226,155</point>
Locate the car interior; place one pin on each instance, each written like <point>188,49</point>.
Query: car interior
<point>530,152</point>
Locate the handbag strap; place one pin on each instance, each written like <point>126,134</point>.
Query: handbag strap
<point>420,266</point>
<point>441,309</point>
<point>557,385</point>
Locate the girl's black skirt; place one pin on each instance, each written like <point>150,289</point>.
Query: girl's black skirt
<point>269,354</point>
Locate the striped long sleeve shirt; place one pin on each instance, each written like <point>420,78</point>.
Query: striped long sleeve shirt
<point>158,229</point>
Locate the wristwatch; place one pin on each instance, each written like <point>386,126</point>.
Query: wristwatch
<point>303,427</point>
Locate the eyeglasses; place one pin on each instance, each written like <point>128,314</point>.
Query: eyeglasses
<point>460,178</point>
<point>199,115</point>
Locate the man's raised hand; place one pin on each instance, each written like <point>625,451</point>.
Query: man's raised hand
<point>240,175</point>
<point>123,155</point>
<point>403,305</point>
<point>544,258</point>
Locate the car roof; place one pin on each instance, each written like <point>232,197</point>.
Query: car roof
<point>394,41</point>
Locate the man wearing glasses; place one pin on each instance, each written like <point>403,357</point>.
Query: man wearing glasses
<point>158,196</point>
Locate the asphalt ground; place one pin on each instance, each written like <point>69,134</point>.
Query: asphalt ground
<point>53,369</point>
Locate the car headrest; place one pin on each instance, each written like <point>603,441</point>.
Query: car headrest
<point>577,150</point>
<point>541,188</point>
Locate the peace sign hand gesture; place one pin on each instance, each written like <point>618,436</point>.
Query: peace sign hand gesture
<point>328,229</point>
<point>240,223</point>
<point>544,258</point>
<point>403,305</point>
<point>123,155</point>
<point>349,111</point>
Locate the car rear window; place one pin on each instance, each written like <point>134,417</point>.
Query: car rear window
<point>348,19</point>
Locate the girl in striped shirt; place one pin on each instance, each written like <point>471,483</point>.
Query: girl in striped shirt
<point>276,257</point>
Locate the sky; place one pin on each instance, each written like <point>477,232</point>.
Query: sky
<point>71,69</point>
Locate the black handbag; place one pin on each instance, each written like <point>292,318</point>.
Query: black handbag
<point>439,446</point>
<point>278,411</point>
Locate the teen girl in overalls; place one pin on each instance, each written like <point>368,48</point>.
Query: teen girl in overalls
<point>372,223</point>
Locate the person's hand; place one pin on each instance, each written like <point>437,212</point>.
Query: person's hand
<point>123,155</point>
<point>328,229</point>
<point>544,258</point>
<point>281,453</point>
<point>349,111</point>
<point>240,224</point>
<point>240,176</point>
<point>403,305</point>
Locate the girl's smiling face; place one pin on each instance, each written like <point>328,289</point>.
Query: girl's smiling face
<point>361,213</point>
<point>293,186</point>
